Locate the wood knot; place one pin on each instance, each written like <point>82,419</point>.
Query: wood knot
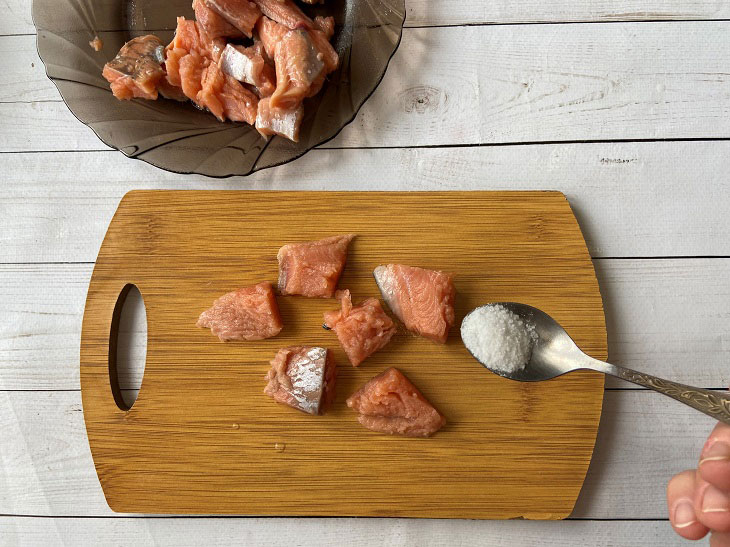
<point>423,98</point>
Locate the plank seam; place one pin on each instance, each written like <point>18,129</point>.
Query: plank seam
<point>426,146</point>
<point>227,517</point>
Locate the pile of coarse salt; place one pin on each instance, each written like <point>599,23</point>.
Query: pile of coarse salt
<point>499,338</point>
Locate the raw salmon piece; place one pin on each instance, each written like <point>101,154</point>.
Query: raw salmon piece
<point>390,403</point>
<point>192,67</point>
<point>298,65</point>
<point>313,268</point>
<point>214,25</point>
<point>192,63</point>
<point>250,313</point>
<point>285,12</point>
<point>137,69</point>
<point>328,54</point>
<point>278,121</point>
<point>362,330</point>
<point>326,25</point>
<point>242,14</point>
<point>422,299</point>
<point>270,33</point>
<point>96,44</point>
<point>225,97</point>
<point>302,377</point>
<point>190,36</point>
<point>247,65</point>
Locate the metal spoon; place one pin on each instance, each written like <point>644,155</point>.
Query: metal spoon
<point>554,353</point>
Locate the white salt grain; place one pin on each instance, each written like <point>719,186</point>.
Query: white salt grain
<point>499,338</point>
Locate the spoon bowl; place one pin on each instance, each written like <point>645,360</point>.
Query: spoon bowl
<point>554,353</point>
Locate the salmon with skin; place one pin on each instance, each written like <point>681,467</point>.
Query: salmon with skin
<point>313,268</point>
<point>215,26</point>
<point>250,313</point>
<point>298,65</point>
<point>241,14</point>
<point>284,122</point>
<point>226,97</point>
<point>247,65</point>
<point>192,62</point>
<point>302,377</point>
<point>422,299</point>
<point>362,329</point>
<point>137,69</point>
<point>390,403</point>
<point>285,12</point>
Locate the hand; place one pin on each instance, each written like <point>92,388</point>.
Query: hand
<point>699,499</point>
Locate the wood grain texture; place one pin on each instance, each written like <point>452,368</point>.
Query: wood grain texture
<point>15,15</point>
<point>488,85</point>
<point>650,327</point>
<point>200,413</point>
<point>54,207</point>
<point>643,440</point>
<point>353,532</point>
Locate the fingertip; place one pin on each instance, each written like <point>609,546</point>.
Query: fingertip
<point>714,466</point>
<point>680,501</point>
<point>713,505</point>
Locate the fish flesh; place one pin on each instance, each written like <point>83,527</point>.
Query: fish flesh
<point>390,403</point>
<point>192,63</point>
<point>422,299</point>
<point>270,33</point>
<point>226,97</point>
<point>362,329</point>
<point>96,44</point>
<point>288,62</point>
<point>302,377</point>
<point>137,69</point>
<point>214,24</point>
<point>242,14</point>
<point>247,65</point>
<point>278,121</point>
<point>313,268</point>
<point>325,24</point>
<point>250,313</point>
<point>298,65</point>
<point>285,12</point>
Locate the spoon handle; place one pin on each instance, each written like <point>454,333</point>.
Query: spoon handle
<point>712,403</point>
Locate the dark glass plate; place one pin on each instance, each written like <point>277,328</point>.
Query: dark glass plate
<point>177,136</point>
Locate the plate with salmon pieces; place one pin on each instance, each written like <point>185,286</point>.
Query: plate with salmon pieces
<point>216,87</point>
<point>305,358</point>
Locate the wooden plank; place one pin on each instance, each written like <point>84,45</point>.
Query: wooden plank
<point>644,439</point>
<point>650,327</point>
<point>25,76</point>
<point>427,13</point>
<point>190,462</point>
<point>15,14</point>
<point>500,84</point>
<point>362,532</point>
<point>56,207</point>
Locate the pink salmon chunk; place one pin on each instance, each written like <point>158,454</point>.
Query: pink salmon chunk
<point>302,377</point>
<point>250,313</point>
<point>313,268</point>
<point>363,329</point>
<point>390,403</point>
<point>422,299</point>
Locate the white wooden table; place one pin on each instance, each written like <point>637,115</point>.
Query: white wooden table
<point>624,105</point>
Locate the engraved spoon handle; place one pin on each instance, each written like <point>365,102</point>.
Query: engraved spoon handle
<point>712,403</point>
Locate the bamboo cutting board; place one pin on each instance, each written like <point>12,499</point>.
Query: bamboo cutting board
<point>202,437</point>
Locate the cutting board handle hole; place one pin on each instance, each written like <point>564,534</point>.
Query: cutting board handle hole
<point>127,346</point>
